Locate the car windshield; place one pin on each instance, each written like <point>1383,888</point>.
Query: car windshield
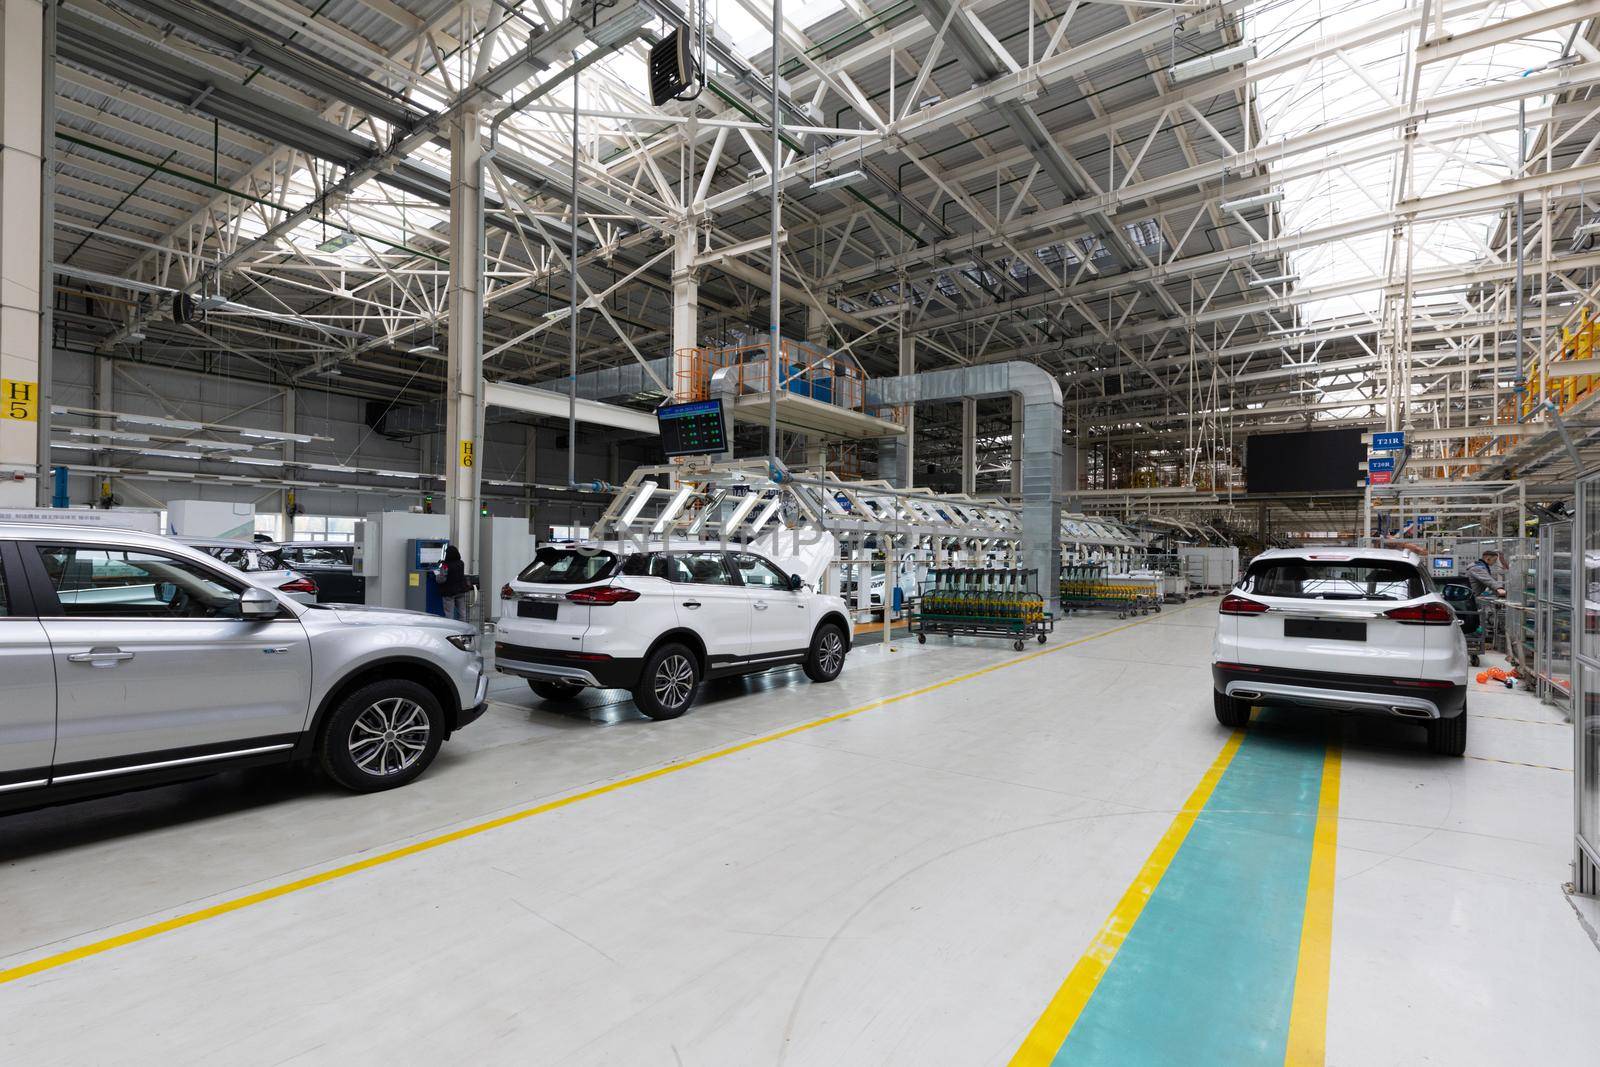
<point>1353,579</point>
<point>568,566</point>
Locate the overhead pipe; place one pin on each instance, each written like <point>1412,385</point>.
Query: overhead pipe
<point>1040,453</point>
<point>776,294</point>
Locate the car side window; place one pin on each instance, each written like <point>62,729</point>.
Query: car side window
<point>128,583</point>
<point>5,601</point>
<point>700,568</point>
<point>759,574</point>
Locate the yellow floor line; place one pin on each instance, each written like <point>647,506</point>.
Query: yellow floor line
<point>1045,1039</point>
<point>178,922</point>
<point>1308,1014</point>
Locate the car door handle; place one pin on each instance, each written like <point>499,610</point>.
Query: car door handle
<point>691,603</point>
<point>100,657</point>
<point>276,650</point>
<point>761,605</point>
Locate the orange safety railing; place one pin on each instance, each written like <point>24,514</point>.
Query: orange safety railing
<point>803,369</point>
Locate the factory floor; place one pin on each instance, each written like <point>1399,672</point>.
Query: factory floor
<point>953,854</point>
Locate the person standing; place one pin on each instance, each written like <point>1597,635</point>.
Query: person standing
<point>453,584</point>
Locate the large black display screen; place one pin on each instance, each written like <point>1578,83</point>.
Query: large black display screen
<point>1307,462</point>
<point>695,429</point>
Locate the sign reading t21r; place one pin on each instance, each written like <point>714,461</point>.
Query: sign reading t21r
<point>1389,441</point>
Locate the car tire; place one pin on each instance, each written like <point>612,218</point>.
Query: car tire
<point>828,650</point>
<point>554,690</point>
<point>382,736</point>
<point>667,685</point>
<point>1448,737</point>
<point>1234,714</point>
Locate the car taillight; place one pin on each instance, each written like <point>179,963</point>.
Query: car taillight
<point>300,585</point>
<point>602,594</point>
<point>1430,614</point>
<point>507,593</point>
<point>1233,604</point>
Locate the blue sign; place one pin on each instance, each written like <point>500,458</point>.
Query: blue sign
<point>1380,463</point>
<point>1389,441</point>
<point>1424,519</point>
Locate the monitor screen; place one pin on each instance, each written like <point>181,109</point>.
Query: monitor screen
<point>1444,563</point>
<point>693,429</point>
<point>428,555</point>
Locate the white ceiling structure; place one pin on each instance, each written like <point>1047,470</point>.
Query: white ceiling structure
<point>1315,230</point>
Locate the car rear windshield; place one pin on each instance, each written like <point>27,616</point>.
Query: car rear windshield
<point>1353,579</point>
<point>568,566</point>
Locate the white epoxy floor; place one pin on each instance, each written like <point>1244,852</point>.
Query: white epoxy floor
<point>908,885</point>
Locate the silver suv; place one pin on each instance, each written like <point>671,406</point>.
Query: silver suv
<point>131,660</point>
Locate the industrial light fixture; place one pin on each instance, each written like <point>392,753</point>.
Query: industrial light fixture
<point>1210,63</point>
<point>256,461</point>
<point>1277,279</point>
<point>210,301</point>
<point>835,181</point>
<point>1259,200</point>
<point>341,240</point>
<point>153,420</point>
<point>672,510</point>
<point>620,26</point>
<point>135,335</point>
<point>423,350</point>
<point>170,453</point>
<point>636,505</point>
<point>276,435</point>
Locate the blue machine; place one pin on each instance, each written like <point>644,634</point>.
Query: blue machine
<point>422,589</point>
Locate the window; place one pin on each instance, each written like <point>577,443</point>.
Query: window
<point>136,584</point>
<point>700,568</point>
<point>5,608</point>
<point>1356,579</point>
<point>269,523</point>
<point>568,566</point>
<point>324,528</point>
<point>759,574</point>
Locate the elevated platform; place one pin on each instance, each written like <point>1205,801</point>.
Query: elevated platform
<point>802,414</point>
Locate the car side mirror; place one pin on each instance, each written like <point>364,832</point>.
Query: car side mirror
<point>258,604</point>
<point>166,592</point>
<point>796,583</point>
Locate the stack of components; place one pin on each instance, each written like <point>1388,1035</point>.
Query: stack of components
<point>1086,586</point>
<point>986,595</point>
<point>982,603</point>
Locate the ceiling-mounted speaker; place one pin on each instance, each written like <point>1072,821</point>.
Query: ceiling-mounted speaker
<point>182,307</point>
<point>672,68</point>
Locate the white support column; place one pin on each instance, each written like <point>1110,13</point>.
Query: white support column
<point>685,309</point>
<point>969,445</point>
<point>27,96</point>
<point>464,415</point>
<point>290,418</point>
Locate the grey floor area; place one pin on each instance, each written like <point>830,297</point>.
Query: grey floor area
<point>907,885</point>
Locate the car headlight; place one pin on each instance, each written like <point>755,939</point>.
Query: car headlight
<point>465,642</point>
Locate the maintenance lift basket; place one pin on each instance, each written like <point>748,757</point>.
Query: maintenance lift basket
<point>982,603</point>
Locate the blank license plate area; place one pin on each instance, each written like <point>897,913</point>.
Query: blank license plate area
<point>1325,630</point>
<point>536,609</point>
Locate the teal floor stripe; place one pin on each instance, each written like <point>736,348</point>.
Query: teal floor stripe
<point>1206,977</point>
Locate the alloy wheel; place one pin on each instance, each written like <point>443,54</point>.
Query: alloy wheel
<point>389,736</point>
<point>674,681</point>
<point>831,654</point>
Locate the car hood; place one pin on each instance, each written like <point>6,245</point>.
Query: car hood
<point>372,615</point>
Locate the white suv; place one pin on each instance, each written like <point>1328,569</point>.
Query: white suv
<point>658,622</point>
<point>1346,629</point>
